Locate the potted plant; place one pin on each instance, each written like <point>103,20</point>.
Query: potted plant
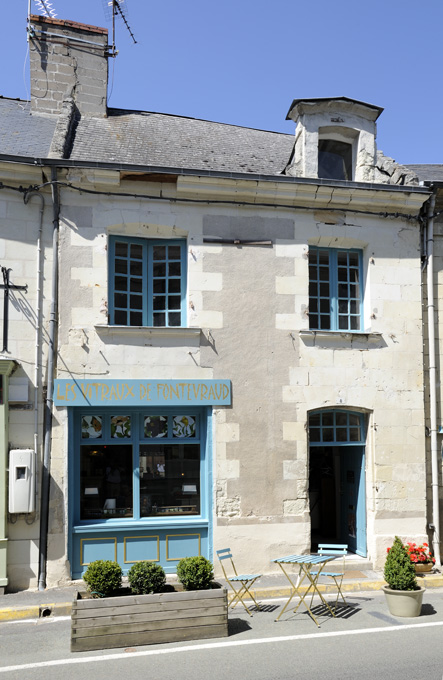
<point>195,573</point>
<point>403,595</point>
<point>420,556</point>
<point>149,611</point>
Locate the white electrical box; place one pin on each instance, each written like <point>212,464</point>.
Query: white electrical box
<point>21,480</point>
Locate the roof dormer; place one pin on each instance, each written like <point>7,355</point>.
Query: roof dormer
<point>334,139</point>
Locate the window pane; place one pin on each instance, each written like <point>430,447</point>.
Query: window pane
<point>136,268</point>
<point>313,289</point>
<point>120,300</point>
<point>343,290</point>
<point>174,302</point>
<point>169,480</point>
<point>354,420</point>
<point>342,274</point>
<point>136,302</point>
<point>105,481</point>
<point>324,289</point>
<point>328,434</point>
<point>121,249</point>
<point>342,258</point>
<point>323,257</point>
<point>327,419</point>
<point>159,269</point>
<point>159,302</point>
<point>159,286</point>
<point>342,306</point>
<point>314,419</point>
<point>323,273</point>
<point>136,251</point>
<point>174,252</point>
<point>343,324</point>
<point>341,434</point>
<point>341,419</point>
<point>174,285</point>
<point>121,283</point>
<point>159,253</point>
<point>174,269</point>
<point>121,267</point>
<point>353,259</point>
<point>136,285</point>
<point>354,323</point>
<point>334,159</point>
<point>159,319</point>
<point>120,317</point>
<point>156,426</point>
<point>325,323</point>
<point>183,426</point>
<point>313,306</point>
<point>174,319</point>
<point>136,319</point>
<point>354,434</point>
<point>91,427</point>
<point>120,427</point>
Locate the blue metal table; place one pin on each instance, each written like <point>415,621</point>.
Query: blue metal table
<point>305,564</point>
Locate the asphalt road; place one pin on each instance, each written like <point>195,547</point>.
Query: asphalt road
<point>363,642</point>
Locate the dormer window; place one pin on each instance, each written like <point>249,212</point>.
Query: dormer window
<point>334,159</point>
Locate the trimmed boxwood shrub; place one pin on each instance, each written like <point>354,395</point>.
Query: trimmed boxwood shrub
<point>146,577</point>
<point>195,573</point>
<point>103,578</point>
<point>399,571</point>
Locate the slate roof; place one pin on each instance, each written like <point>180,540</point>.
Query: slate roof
<point>428,173</point>
<point>157,139</point>
<point>144,138</point>
<point>23,133</point>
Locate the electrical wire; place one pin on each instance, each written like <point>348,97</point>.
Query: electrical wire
<point>208,201</point>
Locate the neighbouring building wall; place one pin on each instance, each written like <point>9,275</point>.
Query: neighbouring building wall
<point>19,253</point>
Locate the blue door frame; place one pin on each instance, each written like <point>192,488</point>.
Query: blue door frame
<point>344,433</point>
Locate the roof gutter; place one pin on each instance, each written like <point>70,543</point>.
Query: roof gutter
<point>192,172</point>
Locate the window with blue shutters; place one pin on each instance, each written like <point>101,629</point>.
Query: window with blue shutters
<point>147,282</point>
<point>335,289</point>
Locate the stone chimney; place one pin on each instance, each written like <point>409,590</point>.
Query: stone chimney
<point>68,61</point>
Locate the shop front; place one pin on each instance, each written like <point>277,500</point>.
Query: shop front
<point>140,469</point>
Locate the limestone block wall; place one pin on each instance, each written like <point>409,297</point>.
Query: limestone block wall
<point>251,304</point>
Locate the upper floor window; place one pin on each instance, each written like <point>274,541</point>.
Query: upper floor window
<point>147,282</point>
<point>334,159</point>
<point>335,294</point>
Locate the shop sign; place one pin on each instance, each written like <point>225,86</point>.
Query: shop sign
<point>70,392</point>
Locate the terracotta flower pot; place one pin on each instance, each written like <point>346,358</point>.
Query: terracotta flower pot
<point>404,602</point>
<point>423,568</point>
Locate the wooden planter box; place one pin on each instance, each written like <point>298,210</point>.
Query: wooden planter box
<point>129,620</point>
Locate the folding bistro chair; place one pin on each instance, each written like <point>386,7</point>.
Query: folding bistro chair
<point>245,581</point>
<point>339,550</point>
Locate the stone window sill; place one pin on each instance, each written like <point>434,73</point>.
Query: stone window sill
<point>148,331</point>
<point>354,337</point>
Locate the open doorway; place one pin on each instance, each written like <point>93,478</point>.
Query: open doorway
<point>337,479</point>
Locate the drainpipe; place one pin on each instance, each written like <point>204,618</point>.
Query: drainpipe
<point>433,380</point>
<point>38,329</point>
<point>45,487</point>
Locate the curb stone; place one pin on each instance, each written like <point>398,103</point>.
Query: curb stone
<point>36,611</point>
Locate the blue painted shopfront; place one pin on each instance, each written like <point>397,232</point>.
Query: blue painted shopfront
<point>140,469</point>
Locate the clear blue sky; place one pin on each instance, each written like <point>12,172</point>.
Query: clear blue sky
<point>244,61</point>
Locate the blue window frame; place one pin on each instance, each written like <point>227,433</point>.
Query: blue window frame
<point>328,428</point>
<point>147,282</point>
<point>335,290</point>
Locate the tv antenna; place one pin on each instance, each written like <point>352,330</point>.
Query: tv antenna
<point>112,9</point>
<point>44,7</point>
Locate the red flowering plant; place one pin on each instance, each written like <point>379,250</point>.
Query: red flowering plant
<point>419,554</point>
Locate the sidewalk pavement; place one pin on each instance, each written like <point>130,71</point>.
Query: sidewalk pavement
<point>34,604</point>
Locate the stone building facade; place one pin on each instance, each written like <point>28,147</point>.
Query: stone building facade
<point>226,325</point>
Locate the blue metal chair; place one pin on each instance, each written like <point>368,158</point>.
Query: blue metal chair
<point>338,550</point>
<point>245,581</point>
